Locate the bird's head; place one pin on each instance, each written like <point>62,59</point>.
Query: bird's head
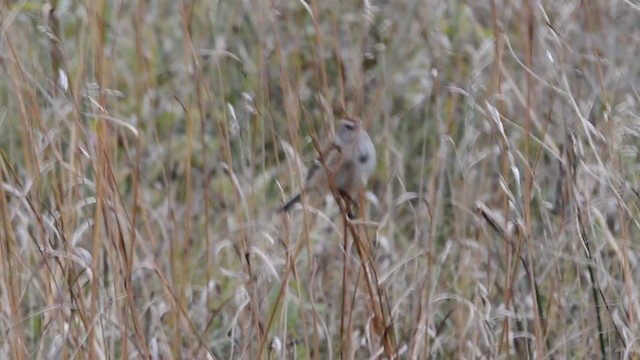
<point>347,131</point>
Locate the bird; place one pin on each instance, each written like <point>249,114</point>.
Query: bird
<point>350,160</point>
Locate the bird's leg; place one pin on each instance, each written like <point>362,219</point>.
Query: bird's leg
<point>348,200</point>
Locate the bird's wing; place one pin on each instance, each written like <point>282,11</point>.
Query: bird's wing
<point>331,156</point>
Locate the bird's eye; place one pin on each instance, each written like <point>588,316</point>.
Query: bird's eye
<point>349,126</point>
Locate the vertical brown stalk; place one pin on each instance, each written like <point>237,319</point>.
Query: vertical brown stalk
<point>101,135</point>
<point>181,278</point>
<point>16,334</point>
<point>497,89</point>
<point>528,175</point>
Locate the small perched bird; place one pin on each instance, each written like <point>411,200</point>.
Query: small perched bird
<point>350,160</point>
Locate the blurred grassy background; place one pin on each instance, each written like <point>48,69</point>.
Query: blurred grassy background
<point>146,145</point>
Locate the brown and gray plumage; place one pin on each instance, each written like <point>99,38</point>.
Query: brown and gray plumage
<point>350,160</point>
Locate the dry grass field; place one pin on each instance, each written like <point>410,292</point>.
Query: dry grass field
<point>146,146</point>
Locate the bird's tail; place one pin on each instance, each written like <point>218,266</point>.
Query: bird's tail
<point>290,203</point>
